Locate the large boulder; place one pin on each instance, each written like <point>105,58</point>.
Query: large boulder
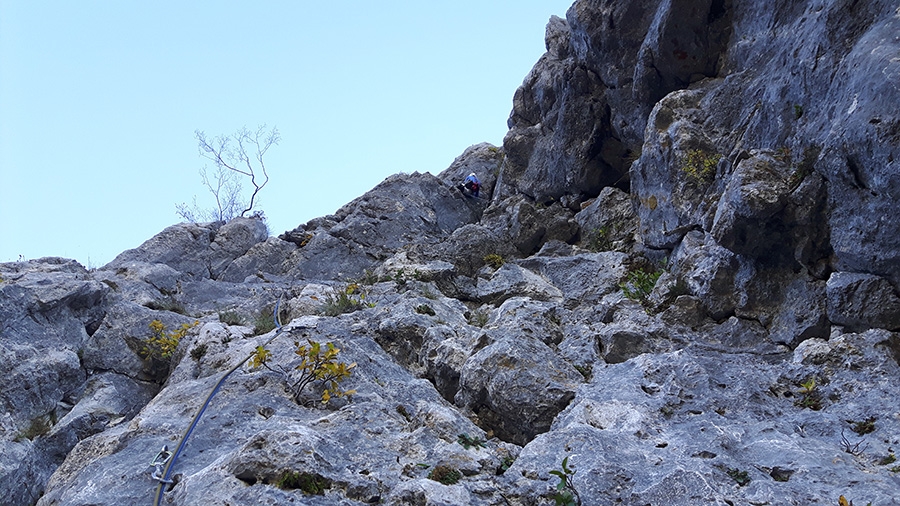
<point>512,280</point>
<point>402,210</point>
<point>516,386</point>
<point>198,250</point>
<point>528,225</point>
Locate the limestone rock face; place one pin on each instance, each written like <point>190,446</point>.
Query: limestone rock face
<point>199,250</point>
<point>48,308</point>
<point>578,118</point>
<point>681,275</point>
<point>402,210</point>
<point>862,301</point>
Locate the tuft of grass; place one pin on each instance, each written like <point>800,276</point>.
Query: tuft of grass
<point>805,167</point>
<point>494,260</point>
<point>888,459</point>
<point>263,323</point>
<point>700,165</point>
<point>585,370</point>
<point>230,317</point>
<point>401,409</point>
<point>39,426</point>
<point>478,318</point>
<point>468,442</point>
<point>346,300</point>
<point>864,427</point>
<point>368,278</point>
<point>445,474</point>
<point>308,483</point>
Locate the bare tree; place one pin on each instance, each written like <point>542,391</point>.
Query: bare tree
<point>234,156</point>
<point>225,188</point>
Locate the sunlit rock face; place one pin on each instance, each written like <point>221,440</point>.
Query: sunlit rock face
<point>681,274</point>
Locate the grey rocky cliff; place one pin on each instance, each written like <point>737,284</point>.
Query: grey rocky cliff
<point>682,275</point>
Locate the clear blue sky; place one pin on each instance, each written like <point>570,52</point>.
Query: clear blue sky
<point>99,101</point>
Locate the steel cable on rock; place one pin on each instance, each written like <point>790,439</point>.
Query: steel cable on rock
<point>165,478</point>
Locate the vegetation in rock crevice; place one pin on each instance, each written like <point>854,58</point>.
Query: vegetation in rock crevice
<point>318,364</point>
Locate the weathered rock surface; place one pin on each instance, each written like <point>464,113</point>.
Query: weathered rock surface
<point>682,274</point>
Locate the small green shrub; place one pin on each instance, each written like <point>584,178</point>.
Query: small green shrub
<point>469,442</point>
<point>346,300</point>
<point>399,279</point>
<point>809,396</point>
<point>494,260</point>
<point>565,494</point>
<point>505,463</point>
<point>445,474</point>
<point>700,165</point>
<point>864,427</point>
<point>798,111</point>
<point>599,239</point>
<point>739,477</point>
<point>308,483</point>
<point>890,458</point>
<point>230,318</point>
<point>317,364</point>
<point>639,283</point>
<point>162,343</point>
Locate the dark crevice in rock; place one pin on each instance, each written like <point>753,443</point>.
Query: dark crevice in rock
<point>856,172</point>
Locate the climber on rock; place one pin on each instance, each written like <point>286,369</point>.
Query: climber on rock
<point>471,185</point>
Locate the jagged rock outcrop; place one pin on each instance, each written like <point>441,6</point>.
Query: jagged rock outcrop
<point>682,275</point>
